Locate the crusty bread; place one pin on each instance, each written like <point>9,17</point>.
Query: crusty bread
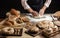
<point>15,12</point>
<point>13,15</point>
<point>57,23</point>
<point>49,30</point>
<point>57,13</point>
<point>8,23</point>
<point>34,29</point>
<point>25,19</point>
<point>8,30</point>
<point>45,24</point>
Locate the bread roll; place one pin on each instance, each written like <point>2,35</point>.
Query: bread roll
<point>25,19</point>
<point>51,24</point>
<point>57,14</point>
<point>45,24</point>
<point>15,12</point>
<point>34,30</point>
<point>8,30</point>
<point>57,23</point>
<point>55,28</point>
<point>50,30</point>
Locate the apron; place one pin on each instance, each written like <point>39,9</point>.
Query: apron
<point>34,4</point>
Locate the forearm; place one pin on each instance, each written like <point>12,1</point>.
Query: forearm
<point>30,10</point>
<point>41,12</point>
<point>44,7</point>
<point>26,6</point>
<point>47,3</point>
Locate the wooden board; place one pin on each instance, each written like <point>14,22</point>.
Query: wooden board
<point>17,32</point>
<point>28,32</point>
<point>48,35</point>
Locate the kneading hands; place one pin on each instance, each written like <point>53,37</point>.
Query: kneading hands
<point>33,12</point>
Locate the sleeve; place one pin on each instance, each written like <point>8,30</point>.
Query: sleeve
<point>24,4</point>
<point>47,3</point>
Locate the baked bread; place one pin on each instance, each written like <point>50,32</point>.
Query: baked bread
<point>13,15</point>
<point>57,23</point>
<point>28,25</point>
<point>45,24</point>
<point>19,21</point>
<point>8,30</point>
<point>25,19</point>
<point>8,23</point>
<point>33,29</point>
<point>15,12</point>
<point>49,30</point>
<point>55,28</point>
<point>57,14</point>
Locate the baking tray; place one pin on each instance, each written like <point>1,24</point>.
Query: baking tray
<point>32,34</point>
<point>48,35</point>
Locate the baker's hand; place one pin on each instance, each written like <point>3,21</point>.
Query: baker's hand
<point>41,12</point>
<point>34,13</point>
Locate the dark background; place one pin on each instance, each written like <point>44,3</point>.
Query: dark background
<point>6,5</point>
<point>55,6</point>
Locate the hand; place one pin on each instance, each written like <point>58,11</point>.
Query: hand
<point>41,12</point>
<point>34,13</point>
